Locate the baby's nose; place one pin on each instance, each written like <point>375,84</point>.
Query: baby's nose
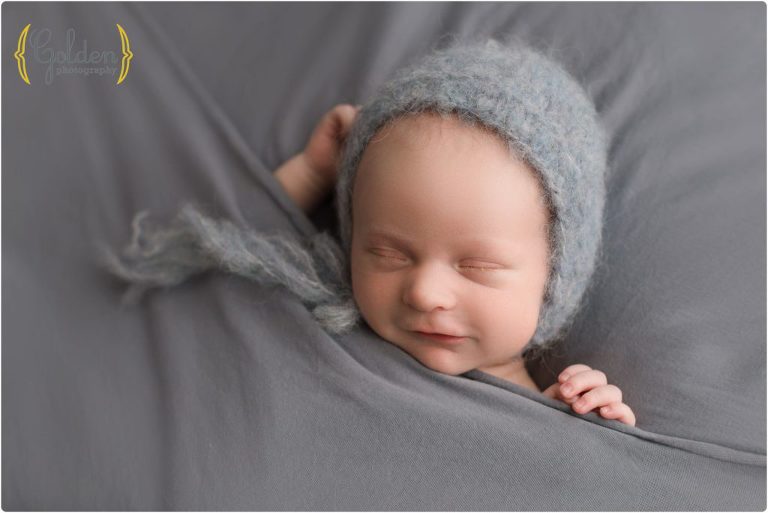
<point>429,288</point>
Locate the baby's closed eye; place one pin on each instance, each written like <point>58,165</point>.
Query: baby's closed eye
<point>472,265</point>
<point>385,253</point>
<point>484,266</point>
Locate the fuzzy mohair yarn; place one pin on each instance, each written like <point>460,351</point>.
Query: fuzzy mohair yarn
<point>518,93</point>
<point>545,117</point>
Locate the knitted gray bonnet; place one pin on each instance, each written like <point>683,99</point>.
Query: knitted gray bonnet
<point>546,118</point>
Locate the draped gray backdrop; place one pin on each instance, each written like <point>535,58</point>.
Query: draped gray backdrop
<point>224,394</point>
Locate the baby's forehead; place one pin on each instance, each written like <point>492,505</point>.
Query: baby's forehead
<point>412,135</point>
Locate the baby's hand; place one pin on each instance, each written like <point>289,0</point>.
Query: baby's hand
<point>324,146</point>
<point>586,389</point>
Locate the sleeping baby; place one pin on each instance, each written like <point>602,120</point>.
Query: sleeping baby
<point>469,191</point>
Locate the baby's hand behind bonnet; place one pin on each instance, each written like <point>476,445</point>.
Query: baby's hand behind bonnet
<point>324,146</point>
<point>586,389</point>
<point>309,176</point>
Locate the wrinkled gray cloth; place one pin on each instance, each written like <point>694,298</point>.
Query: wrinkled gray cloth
<point>223,394</point>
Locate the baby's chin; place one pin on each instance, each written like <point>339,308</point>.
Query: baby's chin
<point>452,367</point>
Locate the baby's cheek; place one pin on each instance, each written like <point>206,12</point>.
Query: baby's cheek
<point>507,316</point>
<point>373,294</point>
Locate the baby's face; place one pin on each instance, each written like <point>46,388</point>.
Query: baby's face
<point>448,237</point>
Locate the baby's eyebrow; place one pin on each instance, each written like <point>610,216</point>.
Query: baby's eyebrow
<point>489,243</point>
<point>384,234</point>
<point>387,234</point>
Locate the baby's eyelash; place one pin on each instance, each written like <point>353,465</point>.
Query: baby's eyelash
<point>386,256</point>
<point>480,268</point>
<point>473,267</point>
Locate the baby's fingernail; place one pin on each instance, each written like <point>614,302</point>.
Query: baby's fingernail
<point>605,410</point>
<point>567,388</point>
<point>564,376</point>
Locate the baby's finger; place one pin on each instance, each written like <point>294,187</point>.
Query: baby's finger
<point>553,392</point>
<point>568,400</point>
<point>599,396</point>
<point>335,122</point>
<point>571,370</point>
<point>345,117</point>
<point>583,381</point>
<point>620,412</point>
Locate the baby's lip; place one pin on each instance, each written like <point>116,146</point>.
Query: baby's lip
<point>439,337</point>
<point>429,331</point>
<point>425,332</point>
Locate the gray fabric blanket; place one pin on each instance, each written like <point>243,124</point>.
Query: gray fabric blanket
<point>223,394</point>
